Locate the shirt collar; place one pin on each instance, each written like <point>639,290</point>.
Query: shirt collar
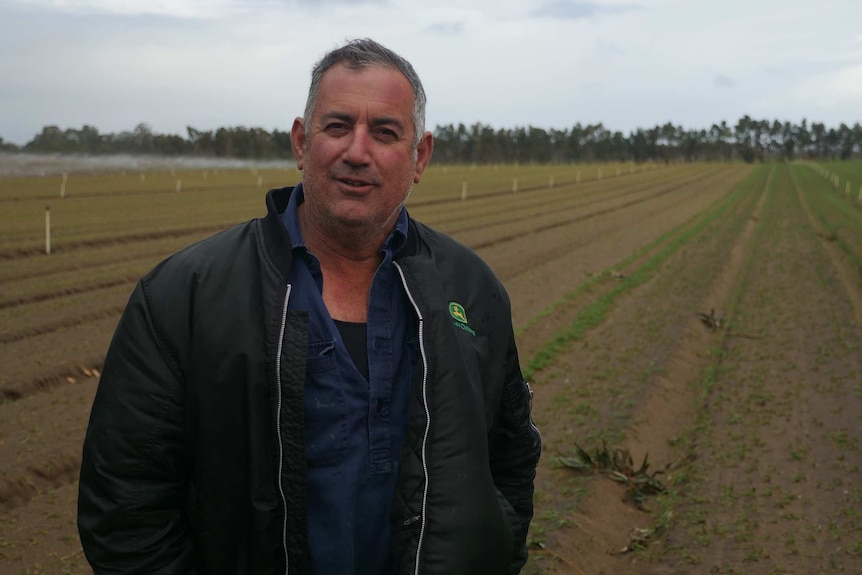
<point>393,244</point>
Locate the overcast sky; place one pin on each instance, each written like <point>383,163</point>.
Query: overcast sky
<point>549,63</point>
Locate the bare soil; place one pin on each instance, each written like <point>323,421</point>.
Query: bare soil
<point>754,425</point>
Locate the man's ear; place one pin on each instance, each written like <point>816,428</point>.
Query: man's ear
<point>298,141</point>
<point>423,155</point>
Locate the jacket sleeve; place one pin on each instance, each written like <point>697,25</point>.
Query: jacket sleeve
<point>515,447</point>
<point>132,490</point>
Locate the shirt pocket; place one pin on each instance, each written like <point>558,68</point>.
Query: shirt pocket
<point>326,425</point>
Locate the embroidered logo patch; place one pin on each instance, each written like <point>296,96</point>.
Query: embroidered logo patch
<point>459,314</point>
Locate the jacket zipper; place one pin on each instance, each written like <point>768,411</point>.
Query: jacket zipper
<point>427,411</point>
<point>278,424</point>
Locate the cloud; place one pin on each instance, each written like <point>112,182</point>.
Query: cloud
<point>722,81</point>
<point>181,9</point>
<point>449,29</point>
<point>186,9</point>
<point>841,86</point>
<point>575,10</point>
<point>607,48</point>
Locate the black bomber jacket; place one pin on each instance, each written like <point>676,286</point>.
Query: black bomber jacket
<point>194,458</point>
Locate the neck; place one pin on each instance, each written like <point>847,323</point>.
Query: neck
<point>348,264</point>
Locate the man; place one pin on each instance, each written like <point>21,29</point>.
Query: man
<point>331,389</point>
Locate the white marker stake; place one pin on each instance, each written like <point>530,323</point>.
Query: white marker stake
<point>618,173</point>
<point>259,181</point>
<point>860,193</point>
<point>514,185</point>
<point>847,189</point>
<point>179,185</point>
<point>463,190</point>
<point>63,188</point>
<point>48,230</point>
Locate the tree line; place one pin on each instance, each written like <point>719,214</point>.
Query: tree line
<point>749,140</point>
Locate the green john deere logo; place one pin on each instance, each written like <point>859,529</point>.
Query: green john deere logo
<point>459,314</point>
<point>457,311</point>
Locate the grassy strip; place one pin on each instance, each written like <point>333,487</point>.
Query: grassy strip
<point>820,203</point>
<point>595,313</point>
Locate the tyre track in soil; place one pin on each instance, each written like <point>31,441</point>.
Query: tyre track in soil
<point>125,239</point>
<point>578,195</point>
<point>602,519</point>
<point>68,291</point>
<point>53,377</point>
<point>72,196</point>
<point>85,261</point>
<point>553,251</point>
<point>65,323</point>
<point>489,195</point>
<point>38,457</point>
<point>579,218</point>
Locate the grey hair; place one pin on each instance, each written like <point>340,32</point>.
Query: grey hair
<point>365,53</point>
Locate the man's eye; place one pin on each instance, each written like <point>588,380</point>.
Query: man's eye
<point>335,128</point>
<point>387,135</point>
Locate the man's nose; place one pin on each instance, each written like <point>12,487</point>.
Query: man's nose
<point>358,147</point>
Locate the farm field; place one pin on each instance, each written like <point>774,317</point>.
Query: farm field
<point>748,413</point>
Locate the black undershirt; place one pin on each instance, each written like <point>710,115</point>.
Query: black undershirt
<point>355,337</point>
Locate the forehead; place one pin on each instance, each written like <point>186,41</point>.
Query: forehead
<point>365,89</point>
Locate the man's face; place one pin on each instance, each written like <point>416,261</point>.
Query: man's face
<point>357,155</point>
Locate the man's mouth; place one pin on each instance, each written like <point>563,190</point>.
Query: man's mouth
<point>355,183</point>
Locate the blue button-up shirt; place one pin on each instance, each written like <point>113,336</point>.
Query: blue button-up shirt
<point>354,427</point>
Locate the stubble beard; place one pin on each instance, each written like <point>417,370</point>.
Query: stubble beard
<point>343,230</point>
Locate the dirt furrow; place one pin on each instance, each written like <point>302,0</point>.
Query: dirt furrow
<point>53,377</point>
<point>69,291</point>
<point>41,537</point>
<point>122,239</point>
<point>673,401</point>
<point>573,219</point>
<point>40,441</point>
<point>560,198</point>
<point>64,323</point>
